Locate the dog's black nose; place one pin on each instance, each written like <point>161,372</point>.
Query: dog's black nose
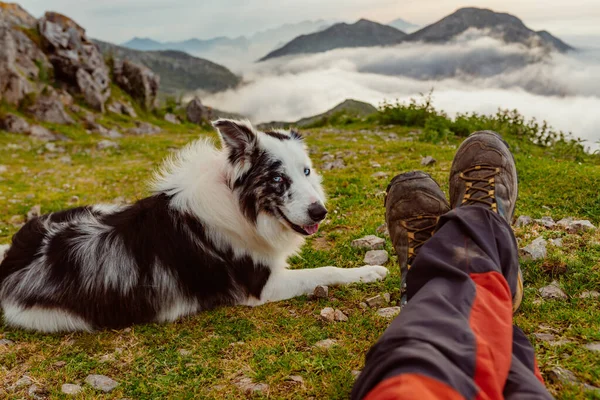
<point>316,211</point>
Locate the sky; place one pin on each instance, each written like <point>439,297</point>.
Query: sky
<point>119,20</point>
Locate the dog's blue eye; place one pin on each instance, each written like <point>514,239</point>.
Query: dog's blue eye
<point>277,179</point>
<point>307,171</point>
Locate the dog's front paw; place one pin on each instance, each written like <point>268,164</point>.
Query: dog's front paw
<point>372,273</point>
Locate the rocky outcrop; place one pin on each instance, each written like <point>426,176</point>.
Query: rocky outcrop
<point>49,108</point>
<point>137,80</point>
<point>15,15</point>
<point>76,60</point>
<point>196,112</point>
<point>13,85</point>
<point>14,124</point>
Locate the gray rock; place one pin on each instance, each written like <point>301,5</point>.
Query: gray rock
<point>552,291</point>
<point>325,344</point>
<point>3,169</point>
<point>562,375</point>
<point>321,292</point>
<point>37,392</point>
<point>101,382</point>
<point>427,161</point>
<point>14,15</point>
<point>118,107</point>
<point>565,222</point>
<point>536,250</point>
<point>107,144</point>
<point>66,160</point>
<point>595,346</point>
<point>363,305</point>
<point>375,164</point>
<point>197,113</point>
<point>376,301</point>
<point>547,222</point>
<point>380,174</point>
<point>246,385</point>
<point>355,373</point>
<point>383,229</point>
<point>339,316</point>
<point>34,212</point>
<point>144,128</point>
<point>589,294</point>
<point>523,220</point>
<point>328,314</point>
<point>327,157</point>
<point>580,226</point>
<point>387,297</point>
<point>185,352</point>
<point>172,119</point>
<point>338,163</point>
<point>6,342</point>
<point>370,242</point>
<point>376,257</point>
<point>74,200</point>
<point>296,379</point>
<point>39,132</point>
<point>50,109</point>
<point>70,389</point>
<point>138,81</point>
<point>556,242</point>
<point>551,339</point>
<point>388,312</point>
<point>23,382</point>
<point>14,85</point>
<point>14,124</point>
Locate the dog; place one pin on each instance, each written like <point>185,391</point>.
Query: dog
<point>216,231</point>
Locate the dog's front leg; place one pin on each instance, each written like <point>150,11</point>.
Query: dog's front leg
<point>285,284</point>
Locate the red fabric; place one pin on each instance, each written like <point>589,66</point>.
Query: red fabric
<point>536,371</point>
<point>491,322</point>
<point>412,386</point>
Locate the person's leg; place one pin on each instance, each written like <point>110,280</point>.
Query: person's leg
<point>454,337</point>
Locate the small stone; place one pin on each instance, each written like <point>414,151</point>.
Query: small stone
<point>74,200</point>
<point>113,134</point>
<point>296,379</point>
<point>370,242</point>
<point>339,316</point>
<point>172,119</point>
<point>383,229</point>
<point>34,212</point>
<point>388,312</point>
<point>37,392</point>
<point>22,382</point>
<point>547,222</point>
<point>375,165</point>
<point>335,164</point>
<point>580,226</point>
<point>107,144</point>
<point>3,169</point>
<point>39,132</point>
<point>185,352</point>
<point>363,305</point>
<point>523,220</point>
<point>144,128</point>
<point>565,222</point>
<point>552,291</point>
<point>562,375</point>
<point>71,389</point>
<point>328,314</point>
<point>101,382</point>
<point>380,174</point>
<point>387,297</point>
<point>321,292</point>
<point>66,160</point>
<point>106,358</point>
<point>245,384</point>
<point>589,294</point>
<point>376,257</point>
<point>536,250</point>
<point>595,346</point>
<point>556,242</point>
<point>427,161</point>
<point>326,343</point>
<point>375,301</point>
<point>355,373</point>
<point>59,364</point>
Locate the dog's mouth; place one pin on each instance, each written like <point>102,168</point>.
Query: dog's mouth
<point>305,230</point>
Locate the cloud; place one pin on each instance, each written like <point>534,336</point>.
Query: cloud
<point>478,75</point>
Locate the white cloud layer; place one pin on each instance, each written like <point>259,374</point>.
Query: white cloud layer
<point>479,75</point>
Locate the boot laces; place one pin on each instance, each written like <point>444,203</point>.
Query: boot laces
<point>414,243</point>
<point>484,185</point>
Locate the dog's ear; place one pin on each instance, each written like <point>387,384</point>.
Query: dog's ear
<point>237,136</point>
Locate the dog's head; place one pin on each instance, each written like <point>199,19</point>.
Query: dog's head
<point>272,175</point>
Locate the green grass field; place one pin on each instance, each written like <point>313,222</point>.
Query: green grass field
<point>202,356</point>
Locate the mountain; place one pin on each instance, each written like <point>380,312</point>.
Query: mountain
<point>404,26</point>
<point>191,46</point>
<point>500,25</point>
<point>363,33</point>
<point>179,72</point>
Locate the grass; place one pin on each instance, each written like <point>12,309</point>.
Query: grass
<point>272,342</point>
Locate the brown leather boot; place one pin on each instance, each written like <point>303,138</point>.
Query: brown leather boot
<point>484,174</point>
<point>414,203</point>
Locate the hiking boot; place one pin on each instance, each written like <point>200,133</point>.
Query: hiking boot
<point>414,203</point>
<point>483,174</point>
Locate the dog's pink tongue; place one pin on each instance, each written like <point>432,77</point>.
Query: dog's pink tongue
<point>311,229</point>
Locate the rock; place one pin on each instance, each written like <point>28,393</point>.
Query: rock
<point>565,222</point>
<point>39,132</point>
<point>328,314</point>
<point>325,344</point>
<point>376,257</point>
<point>547,222</point>
<point>52,148</point>
<point>59,364</point>
<point>427,161</point>
<point>387,297</point>
<point>321,292</point>
<point>370,242</point>
<point>552,291</point>
<point>138,81</point>
<point>556,242</point>
<point>66,160</point>
<point>101,382</point>
<point>339,316</point>
<point>551,339</point>
<point>14,85</point>
<point>523,220</point>
<point>77,61</point>
<point>562,375</point>
<point>197,113</point>
<point>246,385</point>
<point>593,346</point>
<point>144,128</point>
<point>388,312</point>
<point>6,342</point>
<point>338,163</point>
<point>185,352</point>
<point>296,379</point>
<point>327,157</point>
<point>3,169</point>
<point>589,294</point>
<point>375,301</point>
<point>383,229</point>
<point>14,15</point>
<point>14,124</point>
<point>37,392</point>
<point>580,226</point>
<point>107,144</point>
<point>71,389</point>
<point>363,305</point>
<point>375,164</point>
<point>118,107</point>
<point>536,250</point>
<point>172,119</point>
<point>34,212</point>
<point>355,373</point>
<point>380,174</point>
<point>22,382</point>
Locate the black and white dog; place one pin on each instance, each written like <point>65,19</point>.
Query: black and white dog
<point>216,231</point>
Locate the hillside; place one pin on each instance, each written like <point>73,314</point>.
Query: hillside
<point>363,33</point>
<point>504,26</point>
<point>179,72</point>
<point>404,25</point>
